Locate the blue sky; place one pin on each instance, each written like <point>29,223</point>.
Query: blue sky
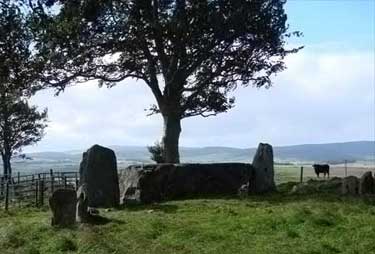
<point>350,23</point>
<point>326,94</point>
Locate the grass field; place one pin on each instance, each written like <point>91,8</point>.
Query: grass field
<point>292,173</point>
<point>277,223</point>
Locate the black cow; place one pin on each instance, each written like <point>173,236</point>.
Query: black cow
<point>321,168</point>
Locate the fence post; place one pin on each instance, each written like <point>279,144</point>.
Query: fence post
<point>52,181</point>
<point>346,168</point>
<point>2,186</point>
<point>65,183</point>
<point>301,176</point>
<point>7,196</point>
<point>76,181</point>
<point>18,177</point>
<point>36,193</point>
<point>41,193</point>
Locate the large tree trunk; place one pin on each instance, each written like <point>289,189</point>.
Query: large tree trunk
<point>172,130</point>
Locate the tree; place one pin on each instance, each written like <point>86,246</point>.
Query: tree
<point>192,54</point>
<point>20,123</point>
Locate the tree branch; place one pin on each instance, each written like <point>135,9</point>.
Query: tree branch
<point>158,38</point>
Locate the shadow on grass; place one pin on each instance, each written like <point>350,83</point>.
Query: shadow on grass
<point>100,220</point>
<point>91,220</point>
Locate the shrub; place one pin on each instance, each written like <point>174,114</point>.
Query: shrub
<point>156,152</point>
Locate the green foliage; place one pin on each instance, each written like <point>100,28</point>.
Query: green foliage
<point>20,67</point>
<point>20,124</point>
<point>156,152</point>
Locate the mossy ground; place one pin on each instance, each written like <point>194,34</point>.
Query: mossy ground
<point>276,223</point>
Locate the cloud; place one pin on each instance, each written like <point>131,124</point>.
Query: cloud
<point>321,97</point>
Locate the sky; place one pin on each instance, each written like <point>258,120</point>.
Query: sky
<point>327,94</point>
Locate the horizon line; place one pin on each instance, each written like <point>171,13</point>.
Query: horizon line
<point>201,147</point>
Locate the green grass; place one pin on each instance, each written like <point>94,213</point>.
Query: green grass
<point>290,173</point>
<point>276,223</point>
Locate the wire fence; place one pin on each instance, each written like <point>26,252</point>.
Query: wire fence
<point>34,189</point>
<point>22,190</point>
<point>302,173</point>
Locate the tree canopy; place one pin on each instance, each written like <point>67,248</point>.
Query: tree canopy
<point>192,54</point>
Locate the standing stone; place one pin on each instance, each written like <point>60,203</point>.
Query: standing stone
<point>63,206</point>
<point>350,185</point>
<point>82,214</point>
<point>98,170</point>
<point>262,178</point>
<point>366,183</point>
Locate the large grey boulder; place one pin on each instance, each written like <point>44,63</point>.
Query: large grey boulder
<point>350,185</point>
<point>366,184</point>
<point>82,214</point>
<point>262,179</point>
<point>63,207</point>
<point>98,171</point>
<point>157,182</point>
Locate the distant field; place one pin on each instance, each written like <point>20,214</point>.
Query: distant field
<point>292,173</point>
<point>282,173</point>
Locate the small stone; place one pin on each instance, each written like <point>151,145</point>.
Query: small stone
<point>243,191</point>
<point>350,185</point>
<point>303,188</point>
<point>366,184</point>
<point>82,214</point>
<point>93,211</point>
<point>63,206</point>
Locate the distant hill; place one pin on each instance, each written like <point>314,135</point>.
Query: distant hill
<point>334,152</point>
<point>362,152</point>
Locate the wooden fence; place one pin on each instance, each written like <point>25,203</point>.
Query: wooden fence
<point>34,189</point>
